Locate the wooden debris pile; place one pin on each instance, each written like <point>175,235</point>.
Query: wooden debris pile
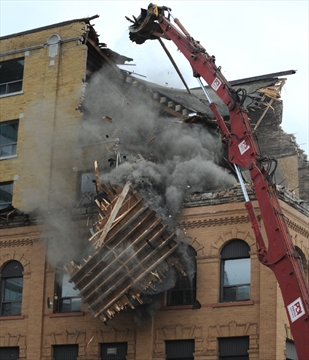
<point>133,251</point>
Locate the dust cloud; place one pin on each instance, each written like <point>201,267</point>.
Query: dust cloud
<point>163,159</point>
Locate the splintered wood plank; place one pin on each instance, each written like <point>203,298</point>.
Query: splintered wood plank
<point>102,223</point>
<point>127,259</point>
<point>113,214</point>
<point>97,180</point>
<point>108,192</point>
<point>137,280</point>
<point>146,264</point>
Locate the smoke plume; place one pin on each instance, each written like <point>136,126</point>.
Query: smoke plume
<point>163,159</point>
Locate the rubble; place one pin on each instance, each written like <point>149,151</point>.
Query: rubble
<point>133,252</point>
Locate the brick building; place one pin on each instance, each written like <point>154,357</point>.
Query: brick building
<point>65,104</point>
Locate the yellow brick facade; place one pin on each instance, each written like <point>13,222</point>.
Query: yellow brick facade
<point>47,139</point>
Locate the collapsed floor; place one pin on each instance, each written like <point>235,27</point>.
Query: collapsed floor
<point>133,252</point>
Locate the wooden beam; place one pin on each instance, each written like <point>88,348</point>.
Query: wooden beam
<point>113,214</point>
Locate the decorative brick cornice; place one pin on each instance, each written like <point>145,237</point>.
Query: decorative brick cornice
<point>16,242</point>
<point>297,228</point>
<point>214,222</point>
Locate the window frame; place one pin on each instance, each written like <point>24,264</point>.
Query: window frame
<point>228,254</point>
<point>6,204</point>
<point>18,78</point>
<point>13,143</point>
<point>184,285</point>
<point>290,349</point>
<point>13,273</point>
<point>60,298</point>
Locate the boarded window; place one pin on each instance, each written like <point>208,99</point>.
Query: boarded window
<point>179,349</point>
<point>65,352</point>
<point>234,348</point>
<point>114,351</point>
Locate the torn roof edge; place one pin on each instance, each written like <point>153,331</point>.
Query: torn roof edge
<point>85,19</point>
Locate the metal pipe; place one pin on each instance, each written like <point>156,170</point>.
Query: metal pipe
<point>241,182</point>
<point>183,29</point>
<point>175,65</point>
<point>204,90</point>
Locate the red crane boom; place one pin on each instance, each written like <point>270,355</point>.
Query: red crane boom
<point>279,254</point>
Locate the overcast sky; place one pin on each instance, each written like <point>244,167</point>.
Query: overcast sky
<point>248,38</point>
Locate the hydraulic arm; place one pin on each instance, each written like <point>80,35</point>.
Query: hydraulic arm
<point>279,253</point>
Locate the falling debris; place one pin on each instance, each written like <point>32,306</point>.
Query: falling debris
<point>133,252</point>
<point>107,118</point>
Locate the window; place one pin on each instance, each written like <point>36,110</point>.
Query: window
<point>290,350</point>
<point>67,298</point>
<point>65,352</point>
<point>9,353</point>
<point>11,288</point>
<point>8,138</point>
<point>114,351</point>
<point>6,194</point>
<point>234,348</point>
<point>235,271</point>
<point>179,349</point>
<point>11,76</point>
<point>184,291</point>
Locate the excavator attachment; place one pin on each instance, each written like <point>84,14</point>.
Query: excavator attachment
<point>145,26</point>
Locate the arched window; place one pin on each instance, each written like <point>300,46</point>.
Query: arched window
<point>235,271</point>
<point>67,298</point>
<point>184,291</point>
<point>11,288</point>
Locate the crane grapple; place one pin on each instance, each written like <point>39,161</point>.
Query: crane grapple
<point>144,27</point>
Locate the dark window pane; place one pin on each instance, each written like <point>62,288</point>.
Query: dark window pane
<point>6,194</point>
<point>229,293</point>
<point>11,70</point>
<point>2,89</point>
<point>8,138</point>
<point>243,292</point>
<point>179,349</point>
<point>11,288</point>
<point>235,272</point>
<point>232,348</point>
<point>184,291</point>
<point>68,297</point>
<point>9,353</point>
<point>290,351</point>
<point>65,352</point>
<point>14,86</point>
